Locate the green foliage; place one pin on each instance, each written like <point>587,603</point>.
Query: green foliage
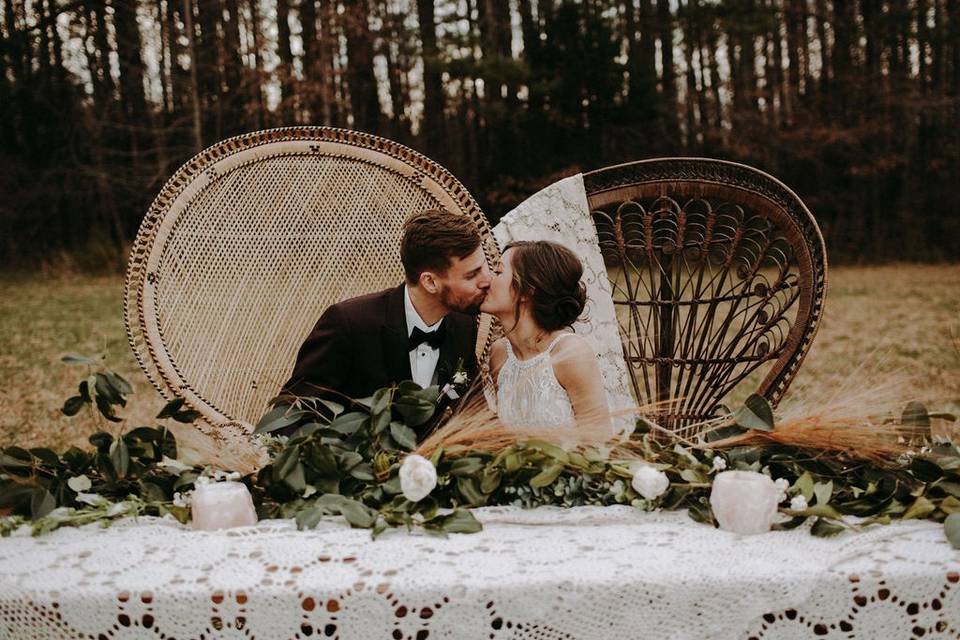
<point>346,463</point>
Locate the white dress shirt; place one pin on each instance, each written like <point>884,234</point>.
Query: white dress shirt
<point>423,359</point>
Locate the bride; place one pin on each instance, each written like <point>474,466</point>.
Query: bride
<point>544,374</point>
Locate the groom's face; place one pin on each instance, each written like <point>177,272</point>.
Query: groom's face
<point>464,286</point>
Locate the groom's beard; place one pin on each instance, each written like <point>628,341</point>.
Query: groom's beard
<point>469,306</point>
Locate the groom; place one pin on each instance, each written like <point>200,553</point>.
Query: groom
<point>416,331</point>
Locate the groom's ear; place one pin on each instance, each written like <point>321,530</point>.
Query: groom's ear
<point>429,282</point>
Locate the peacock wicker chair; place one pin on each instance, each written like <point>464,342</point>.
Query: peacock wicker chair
<point>718,273</point>
<point>251,240</point>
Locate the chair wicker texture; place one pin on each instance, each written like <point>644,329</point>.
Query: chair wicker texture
<point>252,239</point>
<point>718,273</point>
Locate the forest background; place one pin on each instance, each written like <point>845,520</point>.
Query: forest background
<point>852,103</point>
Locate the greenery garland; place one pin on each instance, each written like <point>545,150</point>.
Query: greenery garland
<point>347,462</point>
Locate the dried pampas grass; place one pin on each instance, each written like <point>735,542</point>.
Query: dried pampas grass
<point>859,420</point>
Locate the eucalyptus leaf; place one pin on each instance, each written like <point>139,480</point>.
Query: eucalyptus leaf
<point>951,527</point>
<point>41,503</point>
<point>920,509</point>
<point>120,457</point>
<point>73,358</point>
<point>756,413</point>
<point>459,521</point>
<point>358,514</point>
<point>549,473</point>
<point>403,435</point>
<point>73,405</point>
<point>823,491</point>
<point>279,417</point>
<point>470,491</point>
<point>363,471</point>
<point>349,423</point>
<point>309,518</point>
<point>823,528</point>
<point>171,408</point>
<point>296,479</point>
<point>467,466</point>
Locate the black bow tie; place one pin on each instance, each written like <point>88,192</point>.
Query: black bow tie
<point>432,338</point>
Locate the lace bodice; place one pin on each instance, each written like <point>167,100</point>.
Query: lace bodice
<point>528,393</point>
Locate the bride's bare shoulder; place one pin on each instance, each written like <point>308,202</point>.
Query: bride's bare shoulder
<point>498,355</point>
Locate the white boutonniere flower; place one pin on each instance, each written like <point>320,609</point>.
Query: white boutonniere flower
<point>418,477</point>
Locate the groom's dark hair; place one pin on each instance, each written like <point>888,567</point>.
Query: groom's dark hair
<point>432,238</point>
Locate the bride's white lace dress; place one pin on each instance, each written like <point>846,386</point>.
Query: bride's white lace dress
<point>528,393</point>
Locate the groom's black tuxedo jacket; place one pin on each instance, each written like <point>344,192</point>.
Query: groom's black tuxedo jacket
<point>360,345</point>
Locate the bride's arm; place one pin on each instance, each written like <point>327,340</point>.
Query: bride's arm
<point>578,372</point>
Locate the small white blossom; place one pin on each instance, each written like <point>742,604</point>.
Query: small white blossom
<point>782,484</point>
<point>79,483</point>
<point>798,503</point>
<point>233,476</point>
<point>418,477</point>
<point>719,463</point>
<point>201,480</point>
<point>182,499</point>
<point>460,377</point>
<point>649,482</point>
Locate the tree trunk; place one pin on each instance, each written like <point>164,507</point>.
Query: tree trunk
<point>285,68</point>
<point>194,76</point>
<point>433,103</point>
<point>364,97</point>
<point>669,78</point>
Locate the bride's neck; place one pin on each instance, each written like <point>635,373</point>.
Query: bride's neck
<point>526,338</point>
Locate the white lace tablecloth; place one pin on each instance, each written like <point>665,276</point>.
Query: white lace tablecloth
<point>590,572</point>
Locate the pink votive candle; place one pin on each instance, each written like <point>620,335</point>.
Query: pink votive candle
<point>744,501</point>
<point>222,505</point>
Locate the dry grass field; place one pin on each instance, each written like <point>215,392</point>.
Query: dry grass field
<point>899,320</point>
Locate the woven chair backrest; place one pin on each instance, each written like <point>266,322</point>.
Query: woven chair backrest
<point>252,239</point>
<point>718,274</point>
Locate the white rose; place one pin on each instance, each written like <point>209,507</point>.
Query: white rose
<point>649,482</point>
<point>460,377</point>
<point>798,503</point>
<point>719,464</point>
<point>417,478</point>
<point>79,483</point>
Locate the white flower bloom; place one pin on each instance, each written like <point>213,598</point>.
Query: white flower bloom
<point>182,499</point>
<point>719,463</point>
<point>782,484</point>
<point>201,480</point>
<point>79,483</point>
<point>93,499</point>
<point>798,503</point>
<point>649,482</point>
<point>417,477</point>
<point>233,476</point>
<point>460,377</point>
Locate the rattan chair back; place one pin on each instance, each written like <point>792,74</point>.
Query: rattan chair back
<point>718,274</point>
<point>252,239</point>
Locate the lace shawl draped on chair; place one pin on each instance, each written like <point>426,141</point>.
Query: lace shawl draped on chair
<point>559,213</point>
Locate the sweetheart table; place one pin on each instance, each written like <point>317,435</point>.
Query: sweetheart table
<point>542,574</point>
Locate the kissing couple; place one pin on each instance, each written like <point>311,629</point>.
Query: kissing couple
<point>425,329</point>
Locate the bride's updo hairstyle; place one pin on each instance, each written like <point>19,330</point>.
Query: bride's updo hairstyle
<point>549,275</point>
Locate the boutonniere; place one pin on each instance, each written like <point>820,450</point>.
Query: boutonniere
<point>458,382</point>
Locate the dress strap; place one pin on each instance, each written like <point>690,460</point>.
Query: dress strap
<point>555,340</point>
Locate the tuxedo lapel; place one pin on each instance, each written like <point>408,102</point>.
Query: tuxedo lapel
<point>396,356</point>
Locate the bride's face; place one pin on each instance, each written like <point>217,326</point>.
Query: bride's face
<point>501,296</point>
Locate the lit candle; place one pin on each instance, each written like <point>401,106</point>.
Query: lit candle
<point>744,501</point>
<point>222,505</point>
